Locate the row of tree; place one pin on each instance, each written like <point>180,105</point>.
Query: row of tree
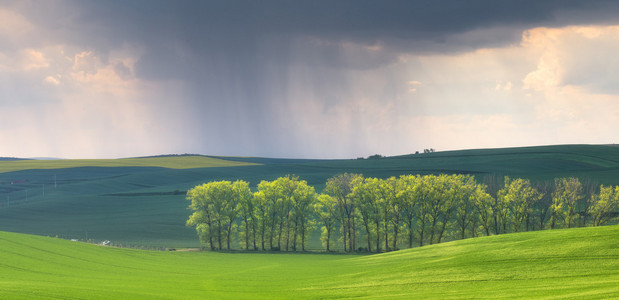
<point>371,214</point>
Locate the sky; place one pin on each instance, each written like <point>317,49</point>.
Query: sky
<point>304,79</point>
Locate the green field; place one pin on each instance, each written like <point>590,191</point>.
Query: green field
<point>170,162</point>
<point>141,201</point>
<point>573,263</point>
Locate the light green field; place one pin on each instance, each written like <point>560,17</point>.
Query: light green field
<point>574,263</point>
<point>170,162</point>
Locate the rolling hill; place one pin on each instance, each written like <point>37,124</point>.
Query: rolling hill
<point>569,263</point>
<point>141,201</point>
<point>169,162</point>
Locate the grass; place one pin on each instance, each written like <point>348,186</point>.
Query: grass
<point>574,263</point>
<point>140,204</point>
<point>170,162</point>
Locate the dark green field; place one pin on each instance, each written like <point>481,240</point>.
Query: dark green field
<point>142,203</point>
<point>568,263</point>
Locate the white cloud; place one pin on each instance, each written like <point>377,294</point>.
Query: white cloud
<point>13,26</point>
<point>53,80</point>
<point>32,60</point>
<point>582,56</point>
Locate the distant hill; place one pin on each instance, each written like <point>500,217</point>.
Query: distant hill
<point>11,158</point>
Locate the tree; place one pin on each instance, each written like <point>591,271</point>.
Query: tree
<point>542,208</point>
<point>440,205</point>
<point>602,206</point>
<point>502,209</point>
<point>247,210</point>
<point>493,185</point>
<point>304,198</point>
<point>283,189</point>
<point>267,197</point>
<point>567,193</point>
<point>202,217</point>
<point>389,192</point>
<point>483,206</point>
<point>409,194</point>
<point>589,188</point>
<point>365,192</point>
<point>326,210</point>
<point>262,214</point>
<point>215,210</point>
<point>340,188</point>
<point>425,194</point>
<point>464,193</point>
<point>519,197</point>
<point>238,192</point>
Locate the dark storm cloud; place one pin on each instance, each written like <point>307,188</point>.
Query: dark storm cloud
<point>194,40</point>
<point>184,37</point>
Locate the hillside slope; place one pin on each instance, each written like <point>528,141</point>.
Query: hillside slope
<point>575,263</point>
<point>599,163</point>
<point>170,162</point>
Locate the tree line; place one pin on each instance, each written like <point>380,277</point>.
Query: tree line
<point>356,213</point>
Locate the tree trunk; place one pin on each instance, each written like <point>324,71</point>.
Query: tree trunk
<point>423,226</point>
<point>210,236</point>
<point>279,235</point>
<point>386,238</point>
<point>253,229</point>
<point>377,236</point>
<point>411,235</point>
<point>496,224</point>
<point>246,234</point>
<point>344,234</point>
<point>328,238</point>
<point>350,229</point>
<point>528,221</point>
<point>219,234</point>
<point>442,231</point>
<point>395,235</point>
<point>302,236</point>
<point>367,229</point>
<point>474,227</point>
<point>272,233</point>
<point>434,220</point>
<point>287,235</point>
<point>229,233</point>
<point>354,232</point>
<point>294,235</point>
<point>263,233</point>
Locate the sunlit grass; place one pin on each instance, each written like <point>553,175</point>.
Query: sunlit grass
<point>574,263</point>
<point>171,162</point>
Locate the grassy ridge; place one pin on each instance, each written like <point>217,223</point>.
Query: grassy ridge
<point>575,263</point>
<point>170,162</point>
<point>597,162</point>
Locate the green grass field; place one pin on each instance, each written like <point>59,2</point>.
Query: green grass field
<point>141,201</point>
<point>574,263</point>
